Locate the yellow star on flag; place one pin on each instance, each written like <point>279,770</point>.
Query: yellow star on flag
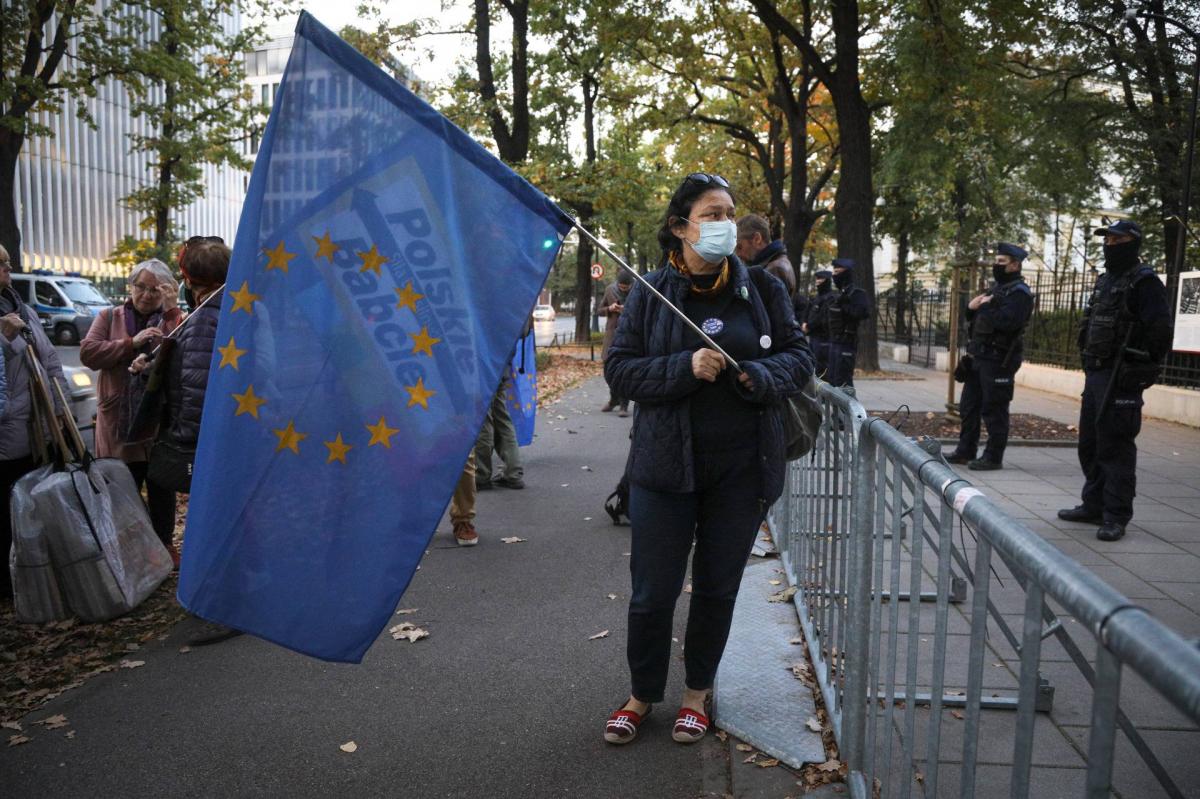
<point>289,438</point>
<point>243,299</point>
<point>230,354</point>
<point>407,297</point>
<point>325,247</point>
<point>248,402</point>
<point>418,394</point>
<point>337,449</point>
<point>381,433</point>
<point>278,258</point>
<point>372,260</point>
<point>423,342</point>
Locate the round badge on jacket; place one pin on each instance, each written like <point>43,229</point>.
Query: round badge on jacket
<point>712,326</point>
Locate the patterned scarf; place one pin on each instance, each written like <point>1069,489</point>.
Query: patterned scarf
<point>675,258</point>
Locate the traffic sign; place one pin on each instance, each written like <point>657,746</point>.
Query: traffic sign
<point>597,271</point>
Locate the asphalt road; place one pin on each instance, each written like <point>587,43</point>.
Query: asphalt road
<point>506,698</point>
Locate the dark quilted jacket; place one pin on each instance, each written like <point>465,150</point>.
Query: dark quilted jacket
<point>187,374</point>
<point>648,364</point>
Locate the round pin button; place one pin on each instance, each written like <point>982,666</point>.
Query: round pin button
<point>765,342</point>
<point>712,326</point>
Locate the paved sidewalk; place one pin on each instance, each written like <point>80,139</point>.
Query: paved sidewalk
<point>1157,565</point>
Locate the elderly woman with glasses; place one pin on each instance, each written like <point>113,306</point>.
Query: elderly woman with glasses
<point>707,453</point>
<point>116,338</point>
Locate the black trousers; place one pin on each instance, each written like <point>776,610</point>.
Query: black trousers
<point>160,502</point>
<point>841,363</point>
<point>721,517</point>
<point>820,348</point>
<point>1107,448</point>
<point>10,473</point>
<point>986,395</point>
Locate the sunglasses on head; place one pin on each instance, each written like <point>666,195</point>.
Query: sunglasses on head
<point>198,239</point>
<point>705,179</point>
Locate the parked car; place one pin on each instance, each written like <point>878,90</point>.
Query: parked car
<point>66,304</point>
<point>543,313</point>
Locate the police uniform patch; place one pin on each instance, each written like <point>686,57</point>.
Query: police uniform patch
<point>712,326</point>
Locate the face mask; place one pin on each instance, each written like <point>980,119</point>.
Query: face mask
<point>842,279</point>
<point>1000,273</point>
<point>1121,257</point>
<point>823,287</point>
<point>717,240</point>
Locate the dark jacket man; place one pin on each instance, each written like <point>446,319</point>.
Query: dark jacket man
<point>996,320</point>
<point>756,248</point>
<point>850,309</point>
<point>1124,336</point>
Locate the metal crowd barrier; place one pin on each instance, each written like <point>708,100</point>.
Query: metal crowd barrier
<point>867,523</point>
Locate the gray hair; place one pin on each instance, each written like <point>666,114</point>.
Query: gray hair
<point>161,272</point>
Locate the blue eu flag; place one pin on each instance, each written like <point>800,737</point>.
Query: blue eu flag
<point>384,265</point>
<point>520,389</point>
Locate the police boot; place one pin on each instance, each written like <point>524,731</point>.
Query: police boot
<point>1111,531</point>
<point>957,458</point>
<point>1081,513</point>
<point>984,465</point>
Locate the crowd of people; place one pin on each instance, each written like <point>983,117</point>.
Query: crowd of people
<point>706,457</point>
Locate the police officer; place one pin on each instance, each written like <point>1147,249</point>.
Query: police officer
<point>846,313</point>
<point>1124,336</point>
<point>997,318</point>
<point>816,321</point>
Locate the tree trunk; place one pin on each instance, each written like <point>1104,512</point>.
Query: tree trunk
<point>10,228</point>
<point>512,142</point>
<point>854,199</point>
<point>902,286</point>
<point>584,285</point>
<point>162,204</point>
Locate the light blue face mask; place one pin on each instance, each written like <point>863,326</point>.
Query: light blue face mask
<point>717,240</point>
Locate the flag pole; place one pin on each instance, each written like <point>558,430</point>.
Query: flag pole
<point>704,336</point>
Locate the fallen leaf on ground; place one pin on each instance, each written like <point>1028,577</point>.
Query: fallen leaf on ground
<point>775,582</point>
<point>408,631</point>
<point>53,722</point>
<point>612,596</point>
<point>768,763</point>
<point>813,724</point>
<point>564,485</point>
<point>586,468</point>
<point>11,725</point>
<point>17,740</point>
<point>349,746</point>
<point>957,714</point>
<point>131,664</point>
<point>512,539</point>
<point>687,589</point>
<point>722,735</point>
<point>796,641</point>
<point>832,764</point>
<point>406,611</point>
<point>601,634</point>
<point>183,650</point>
<point>744,748</point>
<point>752,758</point>
<point>71,733</point>
<point>587,518</point>
<point>783,596</point>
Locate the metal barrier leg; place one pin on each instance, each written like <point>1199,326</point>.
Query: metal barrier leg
<point>859,619</point>
<point>1031,651</point>
<point>979,616</point>
<point>1105,699</point>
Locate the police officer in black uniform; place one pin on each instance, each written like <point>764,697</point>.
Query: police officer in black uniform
<point>1124,336</point>
<point>997,318</point>
<point>816,321</point>
<point>846,313</point>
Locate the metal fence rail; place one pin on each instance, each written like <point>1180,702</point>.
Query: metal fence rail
<point>866,528</point>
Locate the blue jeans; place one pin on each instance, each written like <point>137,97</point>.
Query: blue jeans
<point>722,517</point>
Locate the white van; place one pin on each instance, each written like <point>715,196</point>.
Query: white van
<point>66,304</point>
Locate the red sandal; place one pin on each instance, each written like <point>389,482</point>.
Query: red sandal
<point>623,725</point>
<point>690,726</point>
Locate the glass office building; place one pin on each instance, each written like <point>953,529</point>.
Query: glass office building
<point>69,187</point>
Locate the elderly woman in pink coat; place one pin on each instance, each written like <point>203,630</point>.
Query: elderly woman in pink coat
<point>117,336</point>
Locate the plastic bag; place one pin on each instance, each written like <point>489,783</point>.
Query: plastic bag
<point>101,542</point>
<point>37,597</point>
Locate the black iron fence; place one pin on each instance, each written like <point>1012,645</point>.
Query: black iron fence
<point>921,321</point>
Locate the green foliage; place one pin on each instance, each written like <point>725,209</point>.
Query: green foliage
<point>131,250</point>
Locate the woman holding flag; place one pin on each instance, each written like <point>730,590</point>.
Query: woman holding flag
<point>707,456</point>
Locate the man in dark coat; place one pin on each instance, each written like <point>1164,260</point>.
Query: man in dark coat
<point>756,248</point>
<point>997,318</point>
<point>1124,336</point>
<point>816,321</point>
<point>848,310</point>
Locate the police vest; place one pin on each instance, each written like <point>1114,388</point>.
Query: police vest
<point>842,328</point>
<point>985,338</point>
<point>1107,321</point>
<point>819,313</point>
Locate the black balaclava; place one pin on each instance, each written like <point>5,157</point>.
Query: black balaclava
<point>843,279</point>
<point>1119,258</point>
<point>1002,276</point>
